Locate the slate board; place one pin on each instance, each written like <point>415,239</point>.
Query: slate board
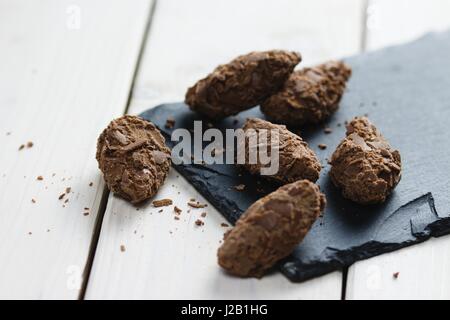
<point>405,91</point>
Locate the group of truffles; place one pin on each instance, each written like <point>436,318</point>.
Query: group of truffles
<point>241,84</point>
<point>135,161</point>
<point>268,79</point>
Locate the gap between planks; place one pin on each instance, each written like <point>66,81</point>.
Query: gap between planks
<point>105,195</point>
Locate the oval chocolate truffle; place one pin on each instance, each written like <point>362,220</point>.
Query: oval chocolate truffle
<point>133,157</point>
<point>364,165</point>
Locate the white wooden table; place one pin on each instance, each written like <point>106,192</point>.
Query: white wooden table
<point>68,67</point>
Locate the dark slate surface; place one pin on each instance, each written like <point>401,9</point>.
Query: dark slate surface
<point>405,91</point>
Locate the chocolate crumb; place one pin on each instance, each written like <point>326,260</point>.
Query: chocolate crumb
<point>40,178</point>
<point>160,210</point>
<point>30,144</point>
<point>91,184</point>
<point>170,123</point>
<point>176,218</point>
<point>322,146</point>
<point>22,146</point>
<point>203,214</point>
<point>68,189</point>
<point>61,196</point>
<point>225,225</point>
<point>239,187</point>
<point>85,213</point>
<point>196,204</point>
<point>177,210</point>
<point>30,233</point>
<point>122,248</point>
<point>67,200</point>
<point>162,203</point>
<point>86,208</point>
<point>396,274</point>
<point>33,200</point>
<point>199,222</point>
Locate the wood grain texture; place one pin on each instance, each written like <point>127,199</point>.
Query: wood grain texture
<point>166,258</point>
<point>65,70</point>
<point>423,269</point>
<point>391,22</point>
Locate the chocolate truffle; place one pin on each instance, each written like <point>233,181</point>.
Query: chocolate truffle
<point>133,157</point>
<point>364,165</point>
<point>309,96</point>
<point>241,84</point>
<point>296,161</point>
<point>270,229</point>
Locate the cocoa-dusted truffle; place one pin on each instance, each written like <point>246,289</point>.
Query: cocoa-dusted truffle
<point>133,157</point>
<point>270,229</point>
<point>241,84</point>
<point>296,161</point>
<point>364,165</point>
<point>309,95</point>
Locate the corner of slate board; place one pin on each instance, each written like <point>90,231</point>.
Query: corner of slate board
<point>404,91</point>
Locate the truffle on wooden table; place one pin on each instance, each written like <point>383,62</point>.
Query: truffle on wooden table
<point>309,96</point>
<point>296,160</point>
<point>133,157</point>
<point>364,165</point>
<point>241,84</point>
<point>270,229</point>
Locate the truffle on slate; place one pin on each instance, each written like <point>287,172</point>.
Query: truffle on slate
<point>133,157</point>
<point>241,84</point>
<point>270,229</point>
<point>364,165</point>
<point>309,95</point>
<point>296,160</point>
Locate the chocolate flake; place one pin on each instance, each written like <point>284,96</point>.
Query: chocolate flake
<point>170,123</point>
<point>162,203</point>
<point>199,222</point>
<point>177,210</point>
<point>196,205</point>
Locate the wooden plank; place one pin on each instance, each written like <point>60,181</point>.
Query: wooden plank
<point>423,269</point>
<point>391,22</point>
<point>166,258</point>
<point>66,68</point>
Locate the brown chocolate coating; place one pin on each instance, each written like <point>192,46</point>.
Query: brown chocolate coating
<point>296,160</point>
<point>241,84</point>
<point>270,229</point>
<point>309,95</point>
<point>133,157</point>
<point>364,165</point>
